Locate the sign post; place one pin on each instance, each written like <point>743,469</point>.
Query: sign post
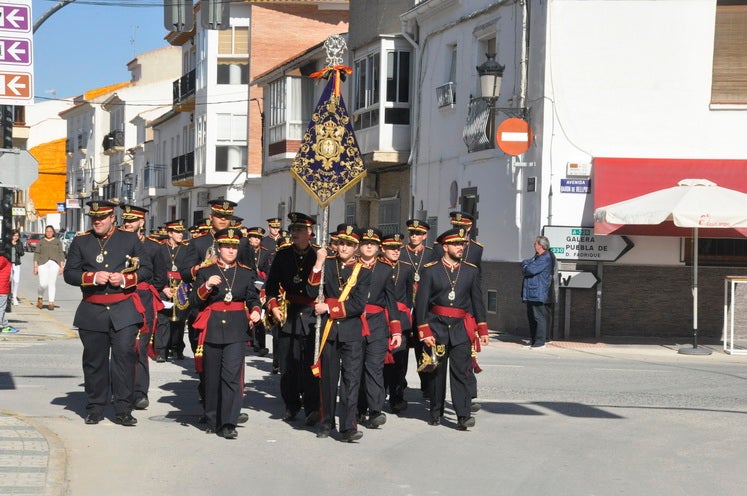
<point>580,243</point>
<point>16,53</point>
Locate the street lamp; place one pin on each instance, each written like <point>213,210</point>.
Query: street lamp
<point>491,75</point>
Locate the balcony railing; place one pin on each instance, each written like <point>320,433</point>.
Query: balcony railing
<point>113,142</point>
<point>183,170</point>
<point>184,92</point>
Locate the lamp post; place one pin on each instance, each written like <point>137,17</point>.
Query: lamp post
<point>490,73</point>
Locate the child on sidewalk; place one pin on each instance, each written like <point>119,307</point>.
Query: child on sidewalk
<point>5,270</point>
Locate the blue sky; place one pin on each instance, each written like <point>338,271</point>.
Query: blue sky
<point>87,44</point>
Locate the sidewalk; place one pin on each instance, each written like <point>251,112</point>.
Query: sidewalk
<point>32,459</point>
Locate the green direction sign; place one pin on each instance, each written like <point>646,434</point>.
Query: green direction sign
<point>580,243</point>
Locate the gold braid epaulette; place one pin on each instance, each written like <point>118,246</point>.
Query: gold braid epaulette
<point>431,263</point>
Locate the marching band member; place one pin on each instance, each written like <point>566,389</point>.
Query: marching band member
<point>381,322</point>
<point>450,314</point>
<point>227,300</point>
<point>107,264</point>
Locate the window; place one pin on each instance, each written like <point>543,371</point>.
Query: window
<point>229,156</point>
<point>350,213</point>
<point>234,41</point>
<point>717,251</point>
<point>433,232</point>
<point>367,81</point>
<point>398,77</point>
<point>492,306</point>
<point>231,127</point>
<point>233,72</point>
<point>389,216</point>
<point>729,78</point>
<point>291,103</point>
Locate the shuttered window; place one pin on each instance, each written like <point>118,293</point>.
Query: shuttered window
<point>234,41</point>
<point>729,80</point>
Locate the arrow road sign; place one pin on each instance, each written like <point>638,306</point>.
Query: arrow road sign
<point>15,17</point>
<point>15,85</point>
<point>577,279</point>
<point>15,51</point>
<point>580,243</point>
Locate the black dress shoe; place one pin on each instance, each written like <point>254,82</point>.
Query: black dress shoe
<point>262,352</point>
<point>242,418</point>
<point>160,359</point>
<point>275,370</point>
<point>125,419</point>
<point>290,415</point>
<point>465,422</point>
<point>351,435</point>
<point>323,431</point>
<point>361,419</point>
<point>398,406</point>
<point>435,421</point>
<point>229,432</point>
<point>179,356</point>
<point>202,419</point>
<point>376,419</point>
<point>311,419</point>
<point>94,418</point>
<point>209,430</point>
<point>475,407</point>
<point>142,403</point>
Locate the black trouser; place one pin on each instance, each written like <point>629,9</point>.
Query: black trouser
<point>259,341</point>
<point>162,340</point>
<point>538,314</point>
<point>458,362</point>
<point>194,336</point>
<point>224,385</point>
<point>142,370</point>
<point>337,358</point>
<point>97,346</point>
<point>395,374</point>
<point>298,386</point>
<point>372,393</point>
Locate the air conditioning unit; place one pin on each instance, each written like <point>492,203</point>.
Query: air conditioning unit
<point>445,95</point>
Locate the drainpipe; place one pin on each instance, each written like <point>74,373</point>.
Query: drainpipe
<point>414,128</point>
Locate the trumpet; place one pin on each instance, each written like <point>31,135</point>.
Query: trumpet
<point>173,284</point>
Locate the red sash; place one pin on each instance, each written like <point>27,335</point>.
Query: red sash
<point>300,300</point>
<point>470,325</point>
<point>201,323</point>
<point>405,310</point>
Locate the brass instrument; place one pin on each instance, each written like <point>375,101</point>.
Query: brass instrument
<point>173,284</point>
<point>429,361</point>
<point>268,320</point>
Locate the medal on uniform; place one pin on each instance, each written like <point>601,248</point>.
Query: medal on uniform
<point>100,258</point>
<point>452,295</point>
<point>417,277</point>
<point>173,268</point>
<point>297,279</point>
<point>229,297</point>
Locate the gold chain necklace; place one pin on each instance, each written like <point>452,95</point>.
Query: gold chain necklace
<point>416,265</point>
<point>102,246</point>
<point>452,293</point>
<point>229,294</point>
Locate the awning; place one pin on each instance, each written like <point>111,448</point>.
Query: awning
<point>618,179</point>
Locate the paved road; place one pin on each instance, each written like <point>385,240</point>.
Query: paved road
<point>572,419</point>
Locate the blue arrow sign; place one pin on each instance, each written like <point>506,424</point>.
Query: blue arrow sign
<point>15,51</point>
<point>15,18</point>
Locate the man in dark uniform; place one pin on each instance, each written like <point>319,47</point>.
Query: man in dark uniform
<point>473,255</point>
<point>107,265</point>
<point>403,275</point>
<point>346,286</point>
<point>286,287</point>
<point>417,254</point>
<point>228,302</point>
<point>258,258</point>
<point>381,323</point>
<point>450,313</point>
<point>170,334</point>
<point>133,220</point>
<point>270,241</point>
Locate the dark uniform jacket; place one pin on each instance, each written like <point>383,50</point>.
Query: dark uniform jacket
<point>270,245</point>
<point>226,326</point>
<point>290,271</point>
<point>403,276</point>
<point>381,294</point>
<point>119,250</point>
<point>347,325</point>
<point>472,253</point>
<point>417,260</point>
<point>435,285</point>
<point>259,260</point>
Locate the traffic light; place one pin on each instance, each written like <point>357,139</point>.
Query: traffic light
<point>177,15</point>
<point>6,211</point>
<point>214,14</point>
<point>6,114</point>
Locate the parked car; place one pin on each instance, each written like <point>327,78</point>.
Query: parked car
<point>66,238</point>
<point>33,241</point>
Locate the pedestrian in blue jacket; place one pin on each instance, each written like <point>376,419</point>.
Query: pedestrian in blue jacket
<point>536,291</point>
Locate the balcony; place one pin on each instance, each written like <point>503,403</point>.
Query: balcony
<point>183,170</point>
<point>184,92</point>
<point>114,143</point>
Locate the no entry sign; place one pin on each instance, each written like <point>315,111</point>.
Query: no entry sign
<point>514,136</point>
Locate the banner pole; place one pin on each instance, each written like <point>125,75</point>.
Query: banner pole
<point>320,296</point>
